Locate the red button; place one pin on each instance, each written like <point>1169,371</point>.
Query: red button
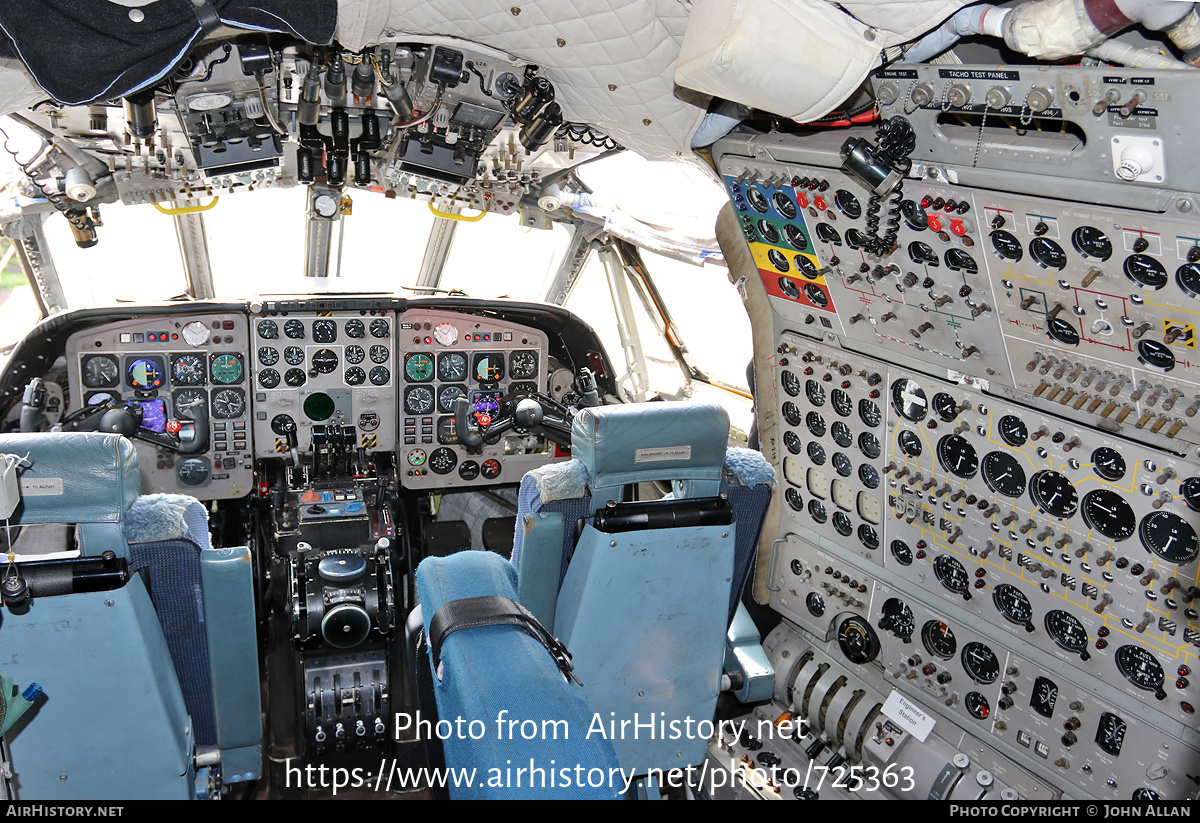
<point>819,202</point>
<point>173,426</point>
<point>957,228</point>
<point>935,223</point>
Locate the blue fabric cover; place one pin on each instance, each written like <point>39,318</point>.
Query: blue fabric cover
<point>492,669</point>
<point>79,477</point>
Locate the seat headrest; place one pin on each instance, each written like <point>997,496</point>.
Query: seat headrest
<point>74,477</point>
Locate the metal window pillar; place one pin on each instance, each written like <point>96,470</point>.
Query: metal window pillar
<point>34,253</point>
<point>437,249</point>
<point>631,343</point>
<point>193,247</point>
<point>583,241</point>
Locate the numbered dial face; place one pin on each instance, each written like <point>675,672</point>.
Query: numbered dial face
<point>791,413</point>
<point>1014,605</point>
<point>1108,463</point>
<point>1067,632</point>
<point>816,453</point>
<point>324,331</point>
<point>1190,489</point>
<point>910,443</point>
<point>522,365</point>
<point>355,354</point>
<point>1054,494</point>
<point>815,423</point>
<point>784,205</point>
<point>841,403</point>
<point>981,663</point>
<point>868,537</point>
<point>294,329</point>
<point>794,500</point>
<point>487,367</point>
<point>868,475</point>
<point>959,260</point>
<point>418,400</point>
<point>468,470</point>
<point>324,361</point>
<point>1003,474</point>
<point>842,523</point>
<point>100,372</point>
<point>452,367</point>
<point>379,354</point>
<point>847,204</point>
<point>1187,277</point>
<point>355,329</point>
<point>1110,734</point>
<point>945,406</point>
<point>909,400</point>
<point>1047,254</point>
<point>868,444</point>
<point>1108,513</point>
<point>770,235</point>
<point>1045,695</point>
<point>1155,355</point>
<point>268,355</point>
<point>858,640</point>
<point>897,618</point>
<point>815,604</point>
<point>1091,242</point>
<point>938,640</point>
<point>869,413</point>
<point>268,378</point>
<point>791,385</point>
<point>1013,431</point>
<point>814,393</point>
<point>268,329</point>
<point>812,291</point>
<point>902,552</point>
<point>792,442</point>
<point>952,575</point>
<point>418,367</point>
<point>380,328</point>
<point>958,456</point>
<point>443,460</point>
<point>841,434</point>
<point>293,355</point>
<point>1063,331</point>
<point>187,370</point>
<point>226,368</point>
<point>380,376</point>
<point>977,706</point>
<point>816,510</point>
<point>228,403</point>
<point>187,398</point>
<point>448,395</point>
<point>1145,271</point>
<point>1169,536</point>
<point>1140,668</point>
<point>1006,246</point>
<point>795,237</point>
<point>355,376</point>
<point>294,377</point>
<point>417,457</point>
<point>757,200</point>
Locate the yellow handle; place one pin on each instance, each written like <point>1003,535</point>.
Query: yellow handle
<point>186,209</point>
<point>474,218</point>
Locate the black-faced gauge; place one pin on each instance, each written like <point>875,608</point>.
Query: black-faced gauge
<point>842,404</point>
<point>443,460</point>
<point>100,372</point>
<point>1187,277</point>
<point>977,706</point>
<point>1044,696</point>
<point>794,500</point>
<point>188,398</point>
<point>448,396</point>
<point>294,329</point>
<point>951,574</point>
<point>914,215</point>
<point>324,361</point>
<point>1190,489</point>
<point>1155,355</point>
<point>868,444</point>
<point>816,294</point>
<point>815,604</point>
<point>1108,463</point>
<point>380,328</point>
<point>324,331</point>
<point>923,254</point>
<point>1110,734</point>
<point>228,403</point>
<point>187,370</point>
<point>319,406</point>
<point>791,441</point>
<point>452,366</point>
<point>522,365</point>
<point>807,268</point>
<point>842,523</point>
<point>816,453</point>
<point>1053,493</point>
<point>268,330</point>
<point>869,412</point>
<point>1108,513</point>
<point>757,200</point>
<point>379,354</point>
<point>815,393</point>
<point>294,377</point>
<point>145,373</point>
<point>828,234</point>
<point>1091,242</point>
<point>447,431</point>
<point>418,400</point>
<point>1063,331</point>
<point>268,378</point>
<point>1006,246</point>
<point>1145,271</point>
<point>842,464</point>
<point>355,329</point>
<point>957,455</point>
<point>355,376</point>
<point>868,537</point>
<point>847,204</point>
<point>910,443</point>
<point>1144,795</point>
<point>784,205</point>
<point>1047,254</point>
<point>1142,669</point>
<point>789,382</point>
<point>815,423</point>
<point>355,354</point>
<point>194,471</point>
<point>841,434</point>
<point>379,376</point>
<point>789,287</point>
<point>1013,431</point>
<point>901,552</point>
<point>768,232</point>
<point>791,413</point>
<point>1014,605</point>
<point>980,662</point>
<point>938,639</point>
<point>268,355</point>
<point>816,510</point>
<point>1169,536</point>
<point>959,260</point>
<point>468,470</point>
<point>293,355</point>
<point>487,367</point>
<point>795,237</point>
<point>1067,632</point>
<point>857,640</point>
<point>909,399</point>
<point>898,619</point>
<point>945,406</point>
<point>868,475</point>
<point>855,239</point>
<point>418,367</point>
<point>417,457</point>
<point>1003,474</point>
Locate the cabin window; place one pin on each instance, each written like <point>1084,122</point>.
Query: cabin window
<point>498,257</point>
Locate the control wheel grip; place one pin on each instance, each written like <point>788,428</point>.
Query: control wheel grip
<point>462,425</point>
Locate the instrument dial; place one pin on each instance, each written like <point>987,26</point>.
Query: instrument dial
<point>1145,271</point>
<point>1067,632</point>
<point>815,294</point>
<point>355,329</point>
<point>816,453</point>
<point>380,328</point>
<point>923,254</point>
<point>1006,245</point>
<point>842,523</point>
<point>355,376</point>
<point>841,434</point>
<point>957,455</point>
<point>795,237</point>
<point>294,377</point>
<point>324,331</point>
<point>1013,431</point>
<point>816,510</point>
<point>784,205</point>
<point>1108,463</point>
<point>1108,513</point>
<point>487,367</point>
<point>945,406</point>
<point>938,639</point>
<point>858,640</point>
<point>842,404</point>
<point>791,442</point>
<point>769,234</point>
<point>1053,493</point>
<point>1187,277</point>
<point>1190,489</point>
<point>379,354</point>
<point>868,476</point>
<point>1091,242</point>
<point>195,334</point>
<point>1155,355</point>
<point>293,355</point>
<point>469,470</point>
<point>355,354</point>
<point>268,378</point>
<point>1045,695</point>
<point>815,393</point>
<point>828,234</point>
<point>452,367</point>
<point>815,604</point>
<point>268,330</point>
<point>268,355</point>
<point>448,396</point>
<point>1169,536</point>
<point>1063,331</point>
<point>815,423</point>
<point>418,400</point>
<point>1047,254</point>
<point>1014,605</point>
<point>443,460</point>
<point>228,403</point>
<point>788,286</point>
<point>792,414</point>
<point>522,365</point>
<point>324,361</point>
<point>184,399</point>
<point>981,663</point>
<point>1110,734</point>
<point>790,383</point>
<point>959,260</point>
<point>226,368</point>
<point>294,329</point>
<point>951,574</point>
<point>380,375</point>
<point>187,370</point>
<point>869,413</point>
<point>910,443</point>
<point>914,215</point>
<point>1003,474</point>
<point>843,465</point>
<point>145,373</point>
<point>977,706</point>
<point>868,537</point>
<point>490,469</point>
<point>100,372</point>
<point>417,457</point>
<point>794,500</point>
<point>1142,669</point>
<point>898,619</point>
<point>868,444</point>
<point>418,367</point>
<point>909,400</point>
<point>902,552</point>
<point>757,200</point>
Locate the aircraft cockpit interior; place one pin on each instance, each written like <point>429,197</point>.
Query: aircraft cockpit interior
<point>600,399</point>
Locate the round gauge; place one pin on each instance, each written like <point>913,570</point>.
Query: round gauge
<point>268,355</point>
<point>898,619</point>
<point>1014,605</point>
<point>815,604</point>
<point>957,455</point>
<point>910,443</point>
<point>816,510</point>
<point>379,354</point>
<point>1013,431</point>
<point>1091,242</point>
<point>1006,245</point>
<point>1063,331</point>
<point>293,355</point>
<point>1108,513</point>
<point>417,457</point>
<point>792,414</point>
<point>1047,254</point>
<point>1145,271</point>
<point>980,662</point>
<point>868,537</point>
<point>959,260</point>
<point>841,434</point>
<point>1108,463</point>
<point>490,469</point>
<point>858,640</point>
<point>843,465</point>
<point>1053,493</point>
<point>380,328</point>
<point>847,204</point>
<point>523,388</point>
<point>769,234</point>
<point>869,413</point>
<point>325,204</point>
<point>922,254</point>
<point>448,395</point>
<point>418,400</point>
<point>380,376</point>
<point>144,373</point>
<point>418,367</point>
<point>828,234</point>
<point>443,460</point>
<point>794,500</point>
<point>791,441</point>
<point>187,370</point>
<point>355,354</point>
<point>1190,489</point>
<point>909,399</point>
<point>294,377</point>
<point>815,393</point>
<point>795,237</point>
<point>193,472</point>
<point>784,205</point>
<point>319,406</point>
<point>816,295</point>
<point>1067,632</point>
<point>522,365</point>
<point>1003,474</point>
<point>268,378</point>
<point>267,330</point>
<point>100,372</point>
<point>294,329</point>
<point>1110,734</point>
<point>902,552</point>
<point>815,423</point>
<point>1144,795</point>
<point>779,260</point>
<point>868,475</point>
<point>324,331</point>
<point>468,470</point>
<point>757,200</point>
<point>1155,355</point>
<point>187,398</point>
<point>1141,668</point>
<point>226,368</point>
<point>855,239</point>
<point>842,523</point>
<point>951,574</point>
<point>977,706</point>
<point>842,404</point>
<point>945,406</point>
<point>1187,277</point>
<point>788,287</point>
<point>228,403</point>
<point>355,329</point>
<point>195,334</point>
<point>914,215</point>
<point>938,639</point>
<point>355,376</point>
<point>789,382</point>
<point>816,453</point>
<point>1169,536</point>
<point>324,361</point>
<point>487,367</point>
<point>868,444</point>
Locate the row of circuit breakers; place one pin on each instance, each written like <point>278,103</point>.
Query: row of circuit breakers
<point>988,458</point>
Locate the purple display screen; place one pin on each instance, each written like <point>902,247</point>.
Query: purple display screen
<point>154,414</point>
<point>487,402</point>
